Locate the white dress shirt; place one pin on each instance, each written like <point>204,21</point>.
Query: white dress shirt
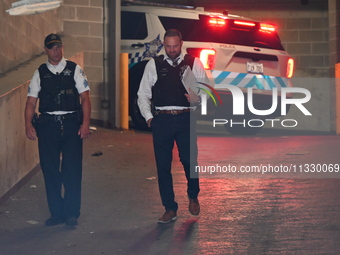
<point>149,79</point>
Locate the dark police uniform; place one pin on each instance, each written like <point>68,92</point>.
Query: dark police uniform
<point>60,146</point>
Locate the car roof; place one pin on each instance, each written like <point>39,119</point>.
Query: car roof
<point>179,12</point>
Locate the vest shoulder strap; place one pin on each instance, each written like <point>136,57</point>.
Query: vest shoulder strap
<point>71,65</point>
<point>159,60</point>
<point>42,67</point>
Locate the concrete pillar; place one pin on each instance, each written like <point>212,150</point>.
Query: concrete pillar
<point>334,58</point>
<point>114,62</point>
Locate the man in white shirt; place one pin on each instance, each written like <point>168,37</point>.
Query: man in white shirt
<point>171,121</point>
<point>65,108</point>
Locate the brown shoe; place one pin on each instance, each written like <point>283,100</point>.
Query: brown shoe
<point>194,206</point>
<point>168,216</point>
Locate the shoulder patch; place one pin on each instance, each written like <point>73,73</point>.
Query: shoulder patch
<point>82,73</point>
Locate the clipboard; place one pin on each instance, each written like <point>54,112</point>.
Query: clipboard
<point>188,79</point>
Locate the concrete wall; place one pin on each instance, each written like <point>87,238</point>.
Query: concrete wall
<point>21,37</point>
<point>84,21</point>
<point>334,53</point>
<point>18,156</point>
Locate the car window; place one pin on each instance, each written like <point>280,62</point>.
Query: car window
<point>192,30</point>
<point>133,25</point>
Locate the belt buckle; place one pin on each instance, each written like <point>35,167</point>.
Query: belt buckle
<point>58,118</point>
<point>156,112</point>
<point>173,112</point>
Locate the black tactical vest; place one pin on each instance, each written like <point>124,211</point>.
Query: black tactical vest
<point>58,91</point>
<point>169,89</point>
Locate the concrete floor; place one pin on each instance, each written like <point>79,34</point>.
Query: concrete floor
<point>246,215</point>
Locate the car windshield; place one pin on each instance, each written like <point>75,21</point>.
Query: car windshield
<point>201,31</point>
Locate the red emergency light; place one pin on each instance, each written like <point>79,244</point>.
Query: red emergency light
<point>290,68</point>
<point>217,22</point>
<point>207,56</point>
<point>267,27</point>
<point>244,23</point>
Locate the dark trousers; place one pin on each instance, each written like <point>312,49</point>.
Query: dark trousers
<point>166,130</point>
<point>60,152</point>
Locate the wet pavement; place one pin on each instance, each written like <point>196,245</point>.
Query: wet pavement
<point>247,213</point>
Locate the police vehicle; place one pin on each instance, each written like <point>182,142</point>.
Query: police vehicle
<point>234,50</point>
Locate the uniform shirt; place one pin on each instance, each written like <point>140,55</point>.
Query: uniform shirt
<point>82,84</point>
<point>149,79</point>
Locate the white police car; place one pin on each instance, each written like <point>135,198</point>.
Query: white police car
<point>234,51</point>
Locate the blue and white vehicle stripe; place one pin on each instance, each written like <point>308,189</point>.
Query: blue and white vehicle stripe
<point>135,57</point>
<point>247,80</point>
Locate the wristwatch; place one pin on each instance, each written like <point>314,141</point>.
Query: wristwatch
<point>198,102</point>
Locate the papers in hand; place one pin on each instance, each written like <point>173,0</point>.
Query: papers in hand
<point>188,79</point>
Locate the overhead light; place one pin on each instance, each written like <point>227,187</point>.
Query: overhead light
<point>28,7</point>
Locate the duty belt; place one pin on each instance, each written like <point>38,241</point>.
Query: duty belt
<point>60,117</point>
<point>172,112</point>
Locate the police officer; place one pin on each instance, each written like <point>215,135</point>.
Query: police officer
<point>172,122</point>
<point>65,107</point>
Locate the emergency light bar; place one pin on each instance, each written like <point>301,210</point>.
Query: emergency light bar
<point>244,23</point>
<point>263,27</point>
<point>213,21</point>
<point>267,27</point>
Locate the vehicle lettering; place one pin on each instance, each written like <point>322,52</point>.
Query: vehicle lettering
<point>227,46</point>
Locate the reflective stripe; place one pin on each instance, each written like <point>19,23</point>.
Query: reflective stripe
<point>238,79</point>
<point>255,82</point>
<point>220,77</point>
<point>246,80</point>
